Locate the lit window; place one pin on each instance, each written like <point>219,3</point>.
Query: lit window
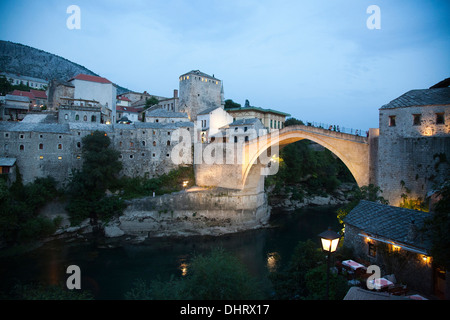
<point>41,157</point>
<point>59,158</point>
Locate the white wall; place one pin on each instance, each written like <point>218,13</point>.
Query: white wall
<point>104,93</point>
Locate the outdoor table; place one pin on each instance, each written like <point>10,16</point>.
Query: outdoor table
<point>353,264</point>
<point>381,283</point>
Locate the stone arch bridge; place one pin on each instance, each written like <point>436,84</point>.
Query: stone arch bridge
<point>247,172</point>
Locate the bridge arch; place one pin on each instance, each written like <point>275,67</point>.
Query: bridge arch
<point>352,150</point>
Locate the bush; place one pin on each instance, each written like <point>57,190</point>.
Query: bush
<point>215,276</point>
<point>36,228</point>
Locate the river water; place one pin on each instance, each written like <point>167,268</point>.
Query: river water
<point>109,268</point>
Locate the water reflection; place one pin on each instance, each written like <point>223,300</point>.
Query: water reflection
<point>109,272</point>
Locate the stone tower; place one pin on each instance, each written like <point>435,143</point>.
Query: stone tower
<point>199,91</point>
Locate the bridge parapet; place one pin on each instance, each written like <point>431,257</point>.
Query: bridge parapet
<point>328,133</point>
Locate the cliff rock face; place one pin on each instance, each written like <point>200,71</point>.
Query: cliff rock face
<point>24,60</point>
<point>195,212</point>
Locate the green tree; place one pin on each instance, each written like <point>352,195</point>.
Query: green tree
<point>19,210</point>
<point>216,276</point>
<point>438,226</point>
<point>230,104</point>
<point>38,291</point>
<point>5,86</point>
<point>99,172</point>
<point>150,102</point>
<point>369,192</point>
<point>316,285</point>
<point>290,283</point>
<point>293,122</point>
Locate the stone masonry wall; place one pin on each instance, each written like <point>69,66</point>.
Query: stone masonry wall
<point>414,156</point>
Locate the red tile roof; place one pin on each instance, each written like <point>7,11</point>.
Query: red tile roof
<point>39,94</point>
<point>32,94</point>
<point>90,78</point>
<point>128,109</point>
<point>123,98</point>
<point>23,94</point>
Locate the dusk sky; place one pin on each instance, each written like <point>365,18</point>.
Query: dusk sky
<point>316,60</point>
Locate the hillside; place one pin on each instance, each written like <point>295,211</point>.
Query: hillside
<point>21,59</point>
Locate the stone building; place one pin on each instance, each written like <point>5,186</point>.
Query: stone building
<point>414,144</point>
<point>210,121</point>
<point>32,82</point>
<point>99,89</point>
<point>244,130</point>
<point>390,238</point>
<point>199,91</point>
<point>46,146</point>
<point>13,107</point>
<point>57,91</point>
<point>271,119</point>
<point>163,116</point>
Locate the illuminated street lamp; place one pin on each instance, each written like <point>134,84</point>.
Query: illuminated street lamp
<point>330,241</point>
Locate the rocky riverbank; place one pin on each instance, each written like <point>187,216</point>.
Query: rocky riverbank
<point>286,200</point>
<point>197,212</point>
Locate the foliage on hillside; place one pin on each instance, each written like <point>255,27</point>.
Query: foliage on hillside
<point>20,221</point>
<point>21,59</point>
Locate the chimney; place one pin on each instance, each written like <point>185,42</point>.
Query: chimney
<point>412,232</point>
<point>175,93</point>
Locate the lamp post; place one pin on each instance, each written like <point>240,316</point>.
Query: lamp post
<point>330,241</point>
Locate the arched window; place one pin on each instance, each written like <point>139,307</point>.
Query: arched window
<point>93,119</point>
<point>41,146</point>
<point>21,147</point>
<point>59,146</point>
<point>154,143</point>
<point>77,117</point>
<point>85,118</point>
<point>168,142</point>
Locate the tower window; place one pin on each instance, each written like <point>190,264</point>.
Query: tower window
<point>391,121</point>
<point>440,119</point>
<point>41,146</point>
